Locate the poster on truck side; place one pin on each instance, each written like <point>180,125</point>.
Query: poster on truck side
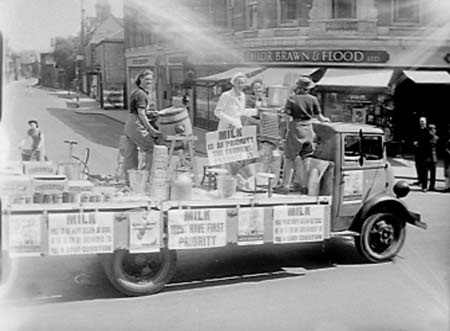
<point>145,231</point>
<point>251,226</point>
<point>353,186</point>
<point>24,234</point>
<point>295,224</point>
<point>231,145</point>
<point>197,228</point>
<point>80,233</point>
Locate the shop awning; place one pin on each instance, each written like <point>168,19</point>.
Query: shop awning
<point>356,78</point>
<point>428,77</point>
<point>282,76</point>
<point>226,75</point>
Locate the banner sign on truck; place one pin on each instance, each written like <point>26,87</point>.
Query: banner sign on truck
<point>251,226</point>
<point>197,228</point>
<point>80,233</point>
<point>294,224</point>
<point>25,234</point>
<point>231,145</point>
<point>145,232</point>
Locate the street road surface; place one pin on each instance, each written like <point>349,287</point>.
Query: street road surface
<point>292,287</point>
<point>23,102</point>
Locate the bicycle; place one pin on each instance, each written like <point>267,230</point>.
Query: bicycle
<point>83,161</point>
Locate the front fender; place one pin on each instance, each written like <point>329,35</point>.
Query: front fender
<point>386,203</point>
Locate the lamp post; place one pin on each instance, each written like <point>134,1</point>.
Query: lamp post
<point>80,56</point>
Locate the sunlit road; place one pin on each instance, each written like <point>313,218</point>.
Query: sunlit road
<point>23,102</point>
<point>293,287</point>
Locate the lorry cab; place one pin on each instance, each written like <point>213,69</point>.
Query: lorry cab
<point>366,199</point>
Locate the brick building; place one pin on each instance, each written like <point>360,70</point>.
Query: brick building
<point>48,72</point>
<point>104,74</point>
<point>369,57</point>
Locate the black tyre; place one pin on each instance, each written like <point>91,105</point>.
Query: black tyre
<point>381,238</point>
<point>140,274</point>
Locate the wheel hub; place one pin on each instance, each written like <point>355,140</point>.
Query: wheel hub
<point>141,266</point>
<point>383,233</point>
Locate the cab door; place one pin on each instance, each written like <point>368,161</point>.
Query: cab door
<point>363,170</point>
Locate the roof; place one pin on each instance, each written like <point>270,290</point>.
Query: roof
<point>282,76</point>
<point>227,75</point>
<point>111,28</point>
<point>428,77</point>
<point>371,78</point>
<point>345,127</point>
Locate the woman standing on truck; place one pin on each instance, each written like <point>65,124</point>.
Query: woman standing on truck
<point>302,107</point>
<point>139,130</point>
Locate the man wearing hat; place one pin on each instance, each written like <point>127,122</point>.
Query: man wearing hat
<point>302,107</point>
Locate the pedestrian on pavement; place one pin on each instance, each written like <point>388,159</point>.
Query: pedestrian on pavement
<point>36,149</point>
<point>231,105</point>
<point>302,107</point>
<point>447,162</point>
<point>422,153</point>
<point>139,130</point>
<point>432,158</point>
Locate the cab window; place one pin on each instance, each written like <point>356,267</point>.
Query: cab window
<point>372,147</point>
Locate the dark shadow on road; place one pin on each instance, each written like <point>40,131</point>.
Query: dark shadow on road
<point>64,95</point>
<point>97,128</point>
<point>236,264</point>
<point>195,269</point>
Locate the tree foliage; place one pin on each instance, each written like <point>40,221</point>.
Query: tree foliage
<point>64,53</point>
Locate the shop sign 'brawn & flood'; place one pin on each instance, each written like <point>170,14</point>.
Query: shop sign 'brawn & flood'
<point>306,55</point>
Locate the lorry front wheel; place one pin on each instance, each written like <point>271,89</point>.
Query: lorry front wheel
<point>381,238</point>
<point>140,274</point>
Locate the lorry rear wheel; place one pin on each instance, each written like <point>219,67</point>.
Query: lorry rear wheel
<point>381,238</point>
<point>140,274</point>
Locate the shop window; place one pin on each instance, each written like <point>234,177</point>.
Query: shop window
<point>251,14</point>
<point>287,12</point>
<point>343,8</point>
<point>176,77</point>
<point>372,147</point>
<point>218,12</point>
<point>406,11</point>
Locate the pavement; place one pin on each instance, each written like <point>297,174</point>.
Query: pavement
<point>404,167</point>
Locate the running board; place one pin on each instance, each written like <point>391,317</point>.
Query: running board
<point>345,233</point>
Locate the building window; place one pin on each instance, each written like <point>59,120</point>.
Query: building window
<point>287,11</point>
<point>251,14</point>
<point>343,8</point>
<point>230,5</point>
<point>406,11</point>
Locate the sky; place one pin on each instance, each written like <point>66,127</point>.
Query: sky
<point>31,24</point>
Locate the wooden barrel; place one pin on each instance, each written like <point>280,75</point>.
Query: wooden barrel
<point>174,120</point>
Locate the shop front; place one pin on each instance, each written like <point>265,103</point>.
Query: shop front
<point>389,86</point>
<point>421,93</point>
<point>357,95</point>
